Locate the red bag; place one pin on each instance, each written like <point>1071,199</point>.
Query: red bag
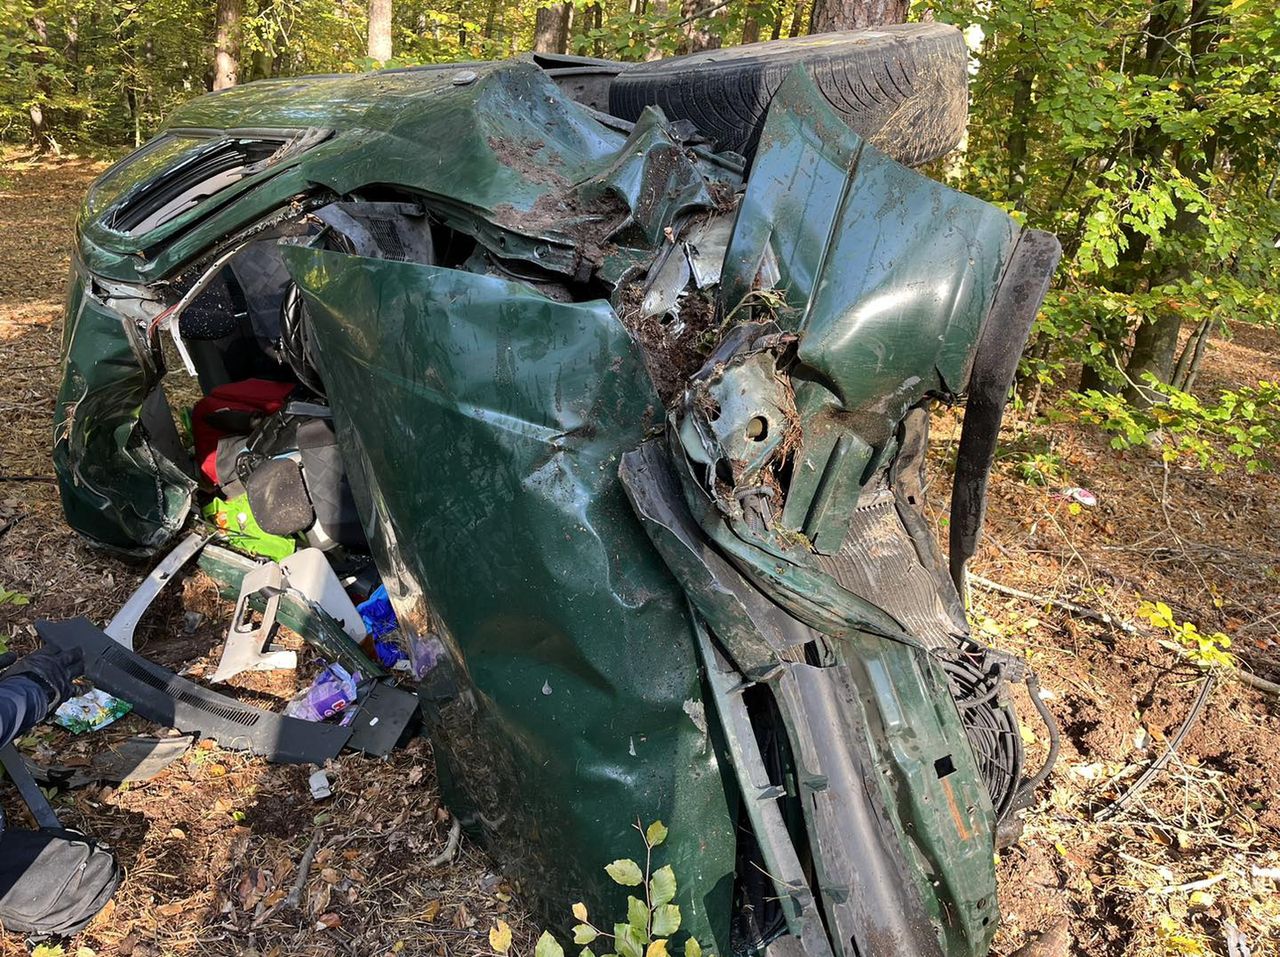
<point>231,410</point>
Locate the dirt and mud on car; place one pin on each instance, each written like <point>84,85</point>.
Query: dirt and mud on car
<point>618,379</point>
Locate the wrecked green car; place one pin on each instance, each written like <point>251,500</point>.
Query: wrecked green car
<point>628,369</point>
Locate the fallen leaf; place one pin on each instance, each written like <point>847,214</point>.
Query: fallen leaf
<point>328,921</point>
<point>500,937</point>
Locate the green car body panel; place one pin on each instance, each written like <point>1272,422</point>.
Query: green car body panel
<point>598,613</point>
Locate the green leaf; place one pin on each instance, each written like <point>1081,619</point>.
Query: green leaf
<point>584,934</point>
<point>548,946</point>
<point>666,920</point>
<point>579,911</point>
<point>692,948</point>
<point>656,833</point>
<point>638,914</point>
<point>625,872</point>
<point>629,940</point>
<point>662,888</point>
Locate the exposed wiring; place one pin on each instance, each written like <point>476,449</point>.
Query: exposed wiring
<point>1114,806</point>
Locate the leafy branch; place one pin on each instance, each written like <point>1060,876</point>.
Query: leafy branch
<point>650,923</point>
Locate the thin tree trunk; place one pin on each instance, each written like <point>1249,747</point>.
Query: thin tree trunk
<point>226,43</point>
<point>40,135</point>
<point>73,49</point>
<point>593,20</point>
<point>551,29</point>
<point>750,30</point>
<point>490,19</point>
<point>777,22</point>
<point>697,35</point>
<point>660,10</point>
<point>1193,371</point>
<point>380,30</point>
<point>797,19</point>
<point>829,15</point>
<point>1182,371</point>
<point>1020,117</point>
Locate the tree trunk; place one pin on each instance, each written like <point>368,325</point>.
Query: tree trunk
<point>1154,347</point>
<point>380,30</point>
<point>1020,116</point>
<point>551,29</point>
<point>490,19</point>
<point>660,9</point>
<point>1193,370</point>
<point>697,35</point>
<point>797,19</point>
<point>750,30</point>
<point>1192,354</point>
<point>40,135</point>
<point>226,43</point>
<point>593,19</point>
<point>829,15</point>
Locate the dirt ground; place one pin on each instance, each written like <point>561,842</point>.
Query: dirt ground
<point>211,846</point>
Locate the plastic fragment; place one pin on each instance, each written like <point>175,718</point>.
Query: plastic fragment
<point>320,786</point>
<point>330,694</point>
<point>90,711</point>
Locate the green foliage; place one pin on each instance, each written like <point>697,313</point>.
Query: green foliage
<point>1133,130</point>
<point>650,923</point>
<point>1210,651</point>
<point>625,872</point>
<point>547,946</point>
<point>8,597</point>
<point>107,72</point>
<point>1242,426</point>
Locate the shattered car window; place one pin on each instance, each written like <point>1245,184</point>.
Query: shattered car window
<point>139,167</point>
<point>200,173</point>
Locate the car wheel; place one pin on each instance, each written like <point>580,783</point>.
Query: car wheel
<point>903,87</point>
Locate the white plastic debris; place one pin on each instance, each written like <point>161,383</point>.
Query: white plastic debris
<point>320,786</point>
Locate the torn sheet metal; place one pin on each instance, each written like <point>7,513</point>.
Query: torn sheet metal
<point>528,173</point>
<point>116,487</point>
<point>486,441</point>
<point>873,730</point>
<point>785,447</point>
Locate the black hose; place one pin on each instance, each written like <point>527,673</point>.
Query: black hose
<point>1146,777</point>
<point>1037,779</point>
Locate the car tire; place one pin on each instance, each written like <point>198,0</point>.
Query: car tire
<point>903,87</point>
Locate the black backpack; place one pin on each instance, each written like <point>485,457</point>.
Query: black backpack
<point>53,881</point>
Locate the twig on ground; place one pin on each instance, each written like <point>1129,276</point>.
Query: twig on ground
<point>1258,684</point>
<point>1192,886</point>
<point>451,846</point>
<point>27,478</point>
<point>294,899</point>
<point>1078,610</point>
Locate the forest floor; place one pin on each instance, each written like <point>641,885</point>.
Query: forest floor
<point>212,845</point>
